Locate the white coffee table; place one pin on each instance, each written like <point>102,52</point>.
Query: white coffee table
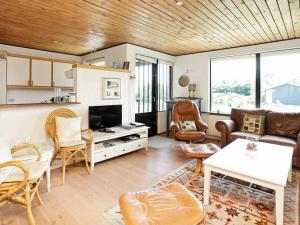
<point>270,166</point>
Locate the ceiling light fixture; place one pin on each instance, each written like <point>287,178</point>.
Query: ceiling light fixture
<point>179,2</point>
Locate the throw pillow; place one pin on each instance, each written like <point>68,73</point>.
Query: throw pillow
<point>5,156</point>
<point>253,124</point>
<point>68,129</point>
<point>187,126</point>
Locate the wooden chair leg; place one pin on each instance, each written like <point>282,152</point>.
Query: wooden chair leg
<point>87,166</point>
<point>39,197</point>
<point>63,160</point>
<point>28,205</point>
<point>199,168</point>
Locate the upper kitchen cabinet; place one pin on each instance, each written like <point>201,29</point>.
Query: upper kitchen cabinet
<point>41,73</point>
<point>59,77</point>
<point>18,71</point>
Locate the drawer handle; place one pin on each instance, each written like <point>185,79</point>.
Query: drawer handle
<point>105,156</point>
<point>123,150</point>
<point>139,145</point>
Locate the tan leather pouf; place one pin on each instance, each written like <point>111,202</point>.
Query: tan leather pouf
<point>172,204</point>
<point>199,152</point>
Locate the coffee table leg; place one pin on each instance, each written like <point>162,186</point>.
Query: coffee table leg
<point>279,204</point>
<point>207,174</point>
<point>290,174</point>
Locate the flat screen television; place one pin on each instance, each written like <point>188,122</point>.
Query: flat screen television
<point>102,117</point>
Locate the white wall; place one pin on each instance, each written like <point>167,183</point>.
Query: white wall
<point>113,54</point>
<point>198,64</point>
<point>128,52</point>
<point>89,88</point>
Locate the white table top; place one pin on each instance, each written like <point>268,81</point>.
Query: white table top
<point>270,163</point>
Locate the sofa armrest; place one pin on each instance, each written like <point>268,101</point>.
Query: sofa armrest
<point>174,126</point>
<point>225,127</point>
<point>201,126</point>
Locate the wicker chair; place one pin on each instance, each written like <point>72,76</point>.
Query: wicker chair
<point>65,152</point>
<point>19,182</point>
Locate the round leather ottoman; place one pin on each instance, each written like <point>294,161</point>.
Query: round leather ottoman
<point>172,204</point>
<point>199,152</point>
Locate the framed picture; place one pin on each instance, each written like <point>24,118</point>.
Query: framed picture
<point>112,88</point>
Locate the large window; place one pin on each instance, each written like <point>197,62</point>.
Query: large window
<point>280,81</point>
<point>264,80</point>
<point>232,83</point>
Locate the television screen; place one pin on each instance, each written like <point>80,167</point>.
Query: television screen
<point>101,117</point>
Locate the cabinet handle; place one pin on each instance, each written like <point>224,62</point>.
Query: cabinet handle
<point>123,150</point>
<point>105,156</point>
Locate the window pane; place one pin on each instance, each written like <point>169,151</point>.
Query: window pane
<point>232,83</point>
<point>280,80</point>
<point>163,79</point>
<point>143,85</point>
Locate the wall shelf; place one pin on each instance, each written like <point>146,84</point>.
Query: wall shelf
<point>37,87</point>
<point>38,104</point>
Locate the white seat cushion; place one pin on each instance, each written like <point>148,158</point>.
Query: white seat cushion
<point>72,143</point>
<point>5,156</point>
<point>35,170</point>
<point>68,129</point>
<point>47,152</point>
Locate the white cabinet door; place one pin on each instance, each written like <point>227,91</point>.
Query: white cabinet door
<point>59,77</point>
<point>41,73</point>
<point>2,81</point>
<point>18,70</point>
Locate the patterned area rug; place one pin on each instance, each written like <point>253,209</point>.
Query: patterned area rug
<point>233,202</point>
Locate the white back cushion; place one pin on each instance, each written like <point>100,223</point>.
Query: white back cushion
<point>68,129</point>
<point>5,156</point>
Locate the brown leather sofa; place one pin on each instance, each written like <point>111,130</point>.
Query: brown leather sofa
<point>187,111</point>
<point>280,128</point>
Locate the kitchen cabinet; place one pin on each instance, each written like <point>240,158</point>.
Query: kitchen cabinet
<point>18,71</point>
<point>41,72</point>
<point>59,77</point>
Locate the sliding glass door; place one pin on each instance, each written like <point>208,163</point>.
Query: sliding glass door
<point>152,89</point>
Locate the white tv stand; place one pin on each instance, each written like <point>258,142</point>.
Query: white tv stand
<point>99,152</point>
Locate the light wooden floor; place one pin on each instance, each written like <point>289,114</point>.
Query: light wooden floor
<point>84,198</point>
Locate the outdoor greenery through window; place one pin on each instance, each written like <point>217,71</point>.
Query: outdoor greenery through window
<point>276,75</point>
<point>232,83</point>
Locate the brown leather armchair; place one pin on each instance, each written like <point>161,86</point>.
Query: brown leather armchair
<point>184,111</point>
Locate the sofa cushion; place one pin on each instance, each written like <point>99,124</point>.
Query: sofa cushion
<point>254,124</point>
<point>280,141</point>
<point>283,124</point>
<point>235,135</point>
<point>237,115</point>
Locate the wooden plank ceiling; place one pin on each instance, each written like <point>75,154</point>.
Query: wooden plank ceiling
<point>82,26</point>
